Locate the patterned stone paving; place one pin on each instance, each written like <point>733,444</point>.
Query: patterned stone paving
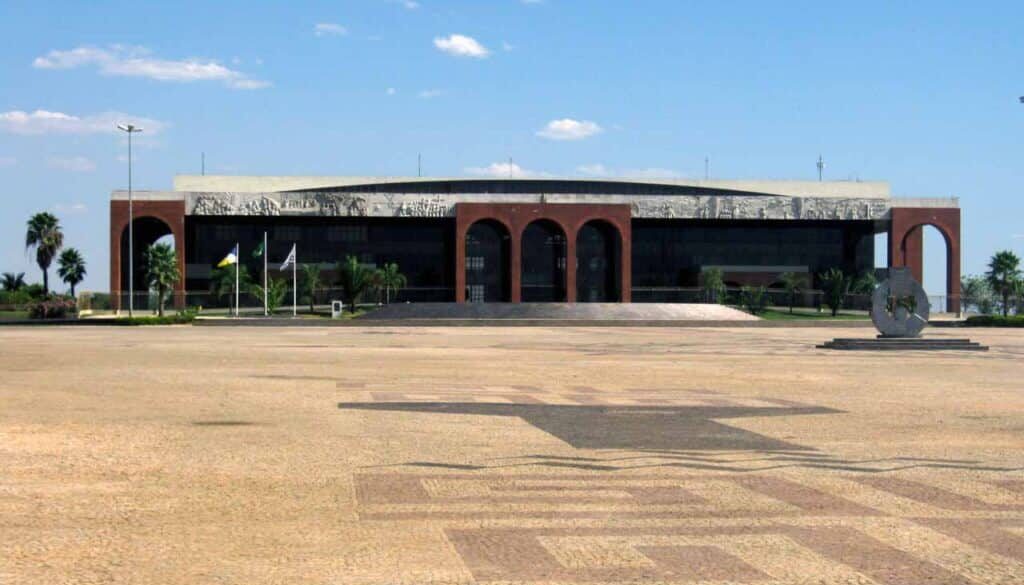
<point>505,456</point>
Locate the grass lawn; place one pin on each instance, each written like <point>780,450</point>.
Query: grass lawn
<point>783,314</point>
<point>13,315</point>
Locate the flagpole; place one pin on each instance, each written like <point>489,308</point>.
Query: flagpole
<point>266,305</point>
<point>295,283</point>
<point>238,260</point>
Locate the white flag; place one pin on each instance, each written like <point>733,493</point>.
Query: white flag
<point>289,260</point>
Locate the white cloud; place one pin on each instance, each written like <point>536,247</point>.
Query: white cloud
<point>504,170</point>
<point>8,161</point>
<point>653,173</point>
<point>1014,236</point>
<point>74,164</point>
<point>532,1</point>
<point>46,122</point>
<point>430,93</point>
<point>600,170</point>
<point>121,61</point>
<point>569,129</point>
<point>461,46</point>
<point>70,208</point>
<point>411,4</point>
<point>594,170</point>
<point>390,91</point>
<point>324,29</point>
<point>507,46</point>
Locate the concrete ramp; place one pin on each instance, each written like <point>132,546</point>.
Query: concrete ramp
<point>559,312</point>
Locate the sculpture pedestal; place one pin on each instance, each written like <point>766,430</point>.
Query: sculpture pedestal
<point>882,343</point>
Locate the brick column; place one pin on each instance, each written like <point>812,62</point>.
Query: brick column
<point>460,259</point>
<point>913,252</point>
<point>626,261</point>
<point>570,265</point>
<point>515,263</point>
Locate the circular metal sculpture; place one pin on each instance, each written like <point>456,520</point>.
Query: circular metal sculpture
<point>899,306</point>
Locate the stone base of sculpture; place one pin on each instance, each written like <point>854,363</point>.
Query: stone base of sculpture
<point>899,310</point>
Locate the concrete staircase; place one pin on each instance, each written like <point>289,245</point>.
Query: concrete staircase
<point>633,312</point>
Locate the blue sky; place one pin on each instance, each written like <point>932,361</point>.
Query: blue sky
<point>922,95</point>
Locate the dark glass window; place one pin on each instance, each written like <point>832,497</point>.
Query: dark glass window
<point>543,263</point>
<point>670,253</point>
<point>487,263</point>
<point>422,248</point>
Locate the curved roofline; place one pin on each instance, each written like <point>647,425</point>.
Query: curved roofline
<point>252,184</point>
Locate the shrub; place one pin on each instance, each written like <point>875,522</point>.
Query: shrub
<point>995,321</point>
<point>754,299</point>
<point>53,308</point>
<point>15,298</point>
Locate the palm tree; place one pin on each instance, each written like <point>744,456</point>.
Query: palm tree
<point>13,282</point>
<point>793,283</point>
<point>835,283</point>
<point>44,234</point>
<point>1003,274</point>
<point>277,288</point>
<point>222,282</point>
<point>161,271</point>
<point>311,283</point>
<point>355,280</point>
<point>391,279</point>
<point>71,267</point>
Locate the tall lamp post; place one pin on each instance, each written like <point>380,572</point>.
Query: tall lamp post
<point>130,129</point>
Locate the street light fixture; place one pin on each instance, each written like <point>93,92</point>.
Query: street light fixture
<point>130,129</point>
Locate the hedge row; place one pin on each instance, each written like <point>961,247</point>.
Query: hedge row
<point>996,321</point>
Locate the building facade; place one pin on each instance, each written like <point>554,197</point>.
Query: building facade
<point>535,240</point>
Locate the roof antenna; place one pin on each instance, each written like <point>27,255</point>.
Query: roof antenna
<point>821,167</point>
<point>203,164</point>
<point>419,165</point>
<point>707,173</point>
<point>510,167</point>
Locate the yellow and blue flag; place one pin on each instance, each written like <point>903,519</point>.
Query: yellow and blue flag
<point>231,258</point>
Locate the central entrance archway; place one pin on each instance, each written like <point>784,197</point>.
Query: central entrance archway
<point>487,263</point>
<point>598,248</point>
<point>543,263</point>
<point>147,231</point>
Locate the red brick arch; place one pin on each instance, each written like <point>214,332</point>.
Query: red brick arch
<point>171,213</point>
<point>906,236</point>
<point>570,217</point>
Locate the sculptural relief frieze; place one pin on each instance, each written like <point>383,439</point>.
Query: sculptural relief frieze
<point>763,207</point>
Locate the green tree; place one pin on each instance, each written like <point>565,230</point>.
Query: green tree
<point>794,283</point>
<point>311,283</point>
<point>714,286</point>
<point>1003,275</point>
<point>975,290</point>
<point>277,289</point>
<point>45,235</point>
<point>835,284</point>
<point>162,271</point>
<point>13,282</point>
<point>355,279</point>
<point>71,267</point>
<point>391,280</point>
<point>865,283</point>
<point>754,299</point>
<point>222,282</point>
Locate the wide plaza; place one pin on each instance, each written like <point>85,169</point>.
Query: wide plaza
<point>182,455</point>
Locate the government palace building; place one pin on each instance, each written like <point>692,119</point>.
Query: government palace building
<point>534,239</point>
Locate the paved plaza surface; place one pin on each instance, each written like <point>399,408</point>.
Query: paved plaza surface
<point>193,455</point>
